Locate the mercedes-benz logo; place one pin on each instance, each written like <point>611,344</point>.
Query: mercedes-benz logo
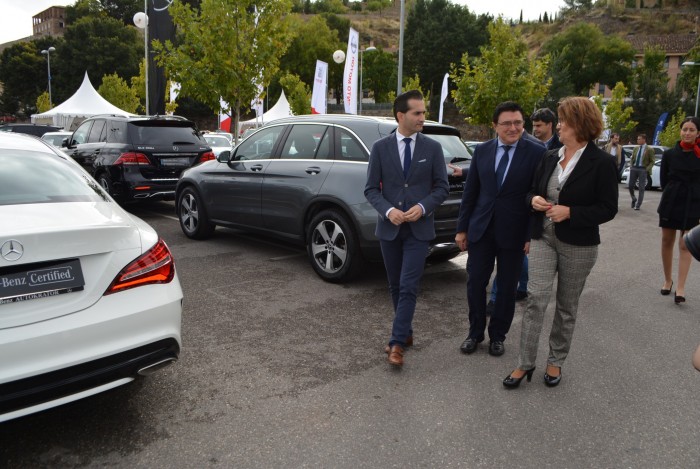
<point>11,250</point>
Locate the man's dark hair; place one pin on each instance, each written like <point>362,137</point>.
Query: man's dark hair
<point>545,115</point>
<point>644,136</point>
<point>614,134</point>
<point>401,101</point>
<point>507,106</point>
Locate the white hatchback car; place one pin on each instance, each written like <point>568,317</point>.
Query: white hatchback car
<point>89,295</point>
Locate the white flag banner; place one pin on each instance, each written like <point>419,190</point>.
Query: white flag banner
<point>174,90</point>
<point>318,96</point>
<point>350,74</point>
<point>443,95</point>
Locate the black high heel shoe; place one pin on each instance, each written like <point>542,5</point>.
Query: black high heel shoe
<point>552,381</point>
<point>665,292</point>
<point>513,383</point>
<point>679,299</point>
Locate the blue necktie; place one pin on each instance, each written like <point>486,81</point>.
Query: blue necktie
<point>502,165</point>
<point>407,157</point>
<point>639,156</point>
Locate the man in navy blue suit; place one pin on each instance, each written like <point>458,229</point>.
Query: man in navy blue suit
<point>493,223</point>
<point>406,182</point>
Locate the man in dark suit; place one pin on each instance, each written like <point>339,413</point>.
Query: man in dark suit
<point>494,221</point>
<point>406,182</point>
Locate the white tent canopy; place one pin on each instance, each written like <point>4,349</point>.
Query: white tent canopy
<point>279,110</point>
<point>86,102</point>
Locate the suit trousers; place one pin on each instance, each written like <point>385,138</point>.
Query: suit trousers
<point>571,264</point>
<point>404,260</point>
<point>637,174</point>
<point>482,255</point>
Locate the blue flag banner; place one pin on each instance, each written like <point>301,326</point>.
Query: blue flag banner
<point>660,124</point>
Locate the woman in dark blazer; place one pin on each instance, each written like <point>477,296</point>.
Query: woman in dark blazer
<point>573,192</point>
<point>679,208</point>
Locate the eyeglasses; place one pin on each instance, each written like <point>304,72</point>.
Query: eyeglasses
<point>507,124</point>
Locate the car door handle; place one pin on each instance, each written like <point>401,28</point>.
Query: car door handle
<point>256,167</point>
<point>313,170</point>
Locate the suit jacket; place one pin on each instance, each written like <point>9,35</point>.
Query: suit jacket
<point>426,184</point>
<point>483,202</point>
<point>618,155</point>
<point>648,158</point>
<point>590,192</point>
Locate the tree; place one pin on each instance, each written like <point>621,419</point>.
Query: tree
<point>298,93</point>
<point>578,5</point>
<point>379,74</point>
<point>590,57</point>
<point>226,50</point>
<point>115,90</point>
<point>617,114</point>
<point>437,34</point>
<point>670,135</point>
<point>42,103</point>
<point>503,72</point>
<point>650,91</point>
<point>100,46</point>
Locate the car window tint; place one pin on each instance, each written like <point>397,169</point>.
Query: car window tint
<point>116,132</point>
<point>260,145</point>
<point>96,132</point>
<point>302,142</point>
<point>81,134</point>
<point>161,134</point>
<point>350,147</point>
<point>217,141</point>
<point>28,177</point>
<point>324,148</point>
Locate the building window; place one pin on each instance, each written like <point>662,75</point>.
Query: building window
<point>601,88</point>
<point>667,61</point>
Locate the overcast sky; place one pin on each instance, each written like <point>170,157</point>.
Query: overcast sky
<point>16,15</point>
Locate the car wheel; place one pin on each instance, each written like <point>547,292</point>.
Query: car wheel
<point>193,217</point>
<point>106,183</point>
<point>332,247</point>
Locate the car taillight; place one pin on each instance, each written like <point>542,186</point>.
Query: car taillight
<point>155,266</point>
<point>208,156</point>
<point>132,159</point>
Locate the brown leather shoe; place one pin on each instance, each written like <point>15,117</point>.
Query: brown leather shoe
<point>396,355</point>
<point>409,343</point>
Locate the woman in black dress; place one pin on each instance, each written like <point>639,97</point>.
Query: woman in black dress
<point>679,208</point>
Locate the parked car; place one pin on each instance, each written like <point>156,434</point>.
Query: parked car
<point>31,129</point>
<point>56,138</point>
<point>302,179</point>
<point>653,181</point>
<point>218,143</point>
<point>89,296</point>
<point>137,158</point>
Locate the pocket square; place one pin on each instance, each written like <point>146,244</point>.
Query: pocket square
<point>422,161</point>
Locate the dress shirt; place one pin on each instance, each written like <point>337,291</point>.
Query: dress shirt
<point>563,174</point>
<point>402,151</point>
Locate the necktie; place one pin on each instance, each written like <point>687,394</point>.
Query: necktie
<point>407,157</point>
<point>639,156</point>
<point>502,165</point>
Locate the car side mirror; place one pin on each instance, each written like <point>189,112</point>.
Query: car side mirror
<point>224,156</point>
<point>64,143</point>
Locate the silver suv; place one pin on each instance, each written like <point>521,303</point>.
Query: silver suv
<point>302,178</point>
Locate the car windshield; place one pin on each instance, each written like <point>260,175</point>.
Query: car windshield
<point>453,148</point>
<point>162,133</point>
<point>217,141</point>
<point>55,140</point>
<point>28,177</point>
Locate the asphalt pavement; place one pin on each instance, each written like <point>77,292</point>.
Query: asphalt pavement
<point>279,369</point>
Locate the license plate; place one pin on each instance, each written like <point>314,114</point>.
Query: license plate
<point>40,281</point>
<point>175,162</point>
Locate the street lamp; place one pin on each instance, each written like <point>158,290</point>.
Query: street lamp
<point>369,49</point>
<point>697,95</point>
<point>400,70</point>
<point>47,53</point>
<point>141,22</point>
<point>339,58</point>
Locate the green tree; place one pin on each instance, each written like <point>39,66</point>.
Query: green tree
<point>617,113</point>
<point>650,91</point>
<point>379,74</point>
<point>298,93</point>
<point>578,5</point>
<point>503,72</point>
<point>116,90</point>
<point>670,135</point>
<point>42,102</point>
<point>99,45</point>
<point>437,34</point>
<point>378,5</point>
<point>226,51</point>
<point>413,83</point>
<point>589,57</point>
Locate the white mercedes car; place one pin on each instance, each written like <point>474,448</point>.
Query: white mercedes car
<point>89,296</point>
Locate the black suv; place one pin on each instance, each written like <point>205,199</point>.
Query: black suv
<point>32,129</point>
<point>302,178</point>
<point>138,157</point>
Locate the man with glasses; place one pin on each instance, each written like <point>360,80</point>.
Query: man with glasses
<point>493,223</point>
